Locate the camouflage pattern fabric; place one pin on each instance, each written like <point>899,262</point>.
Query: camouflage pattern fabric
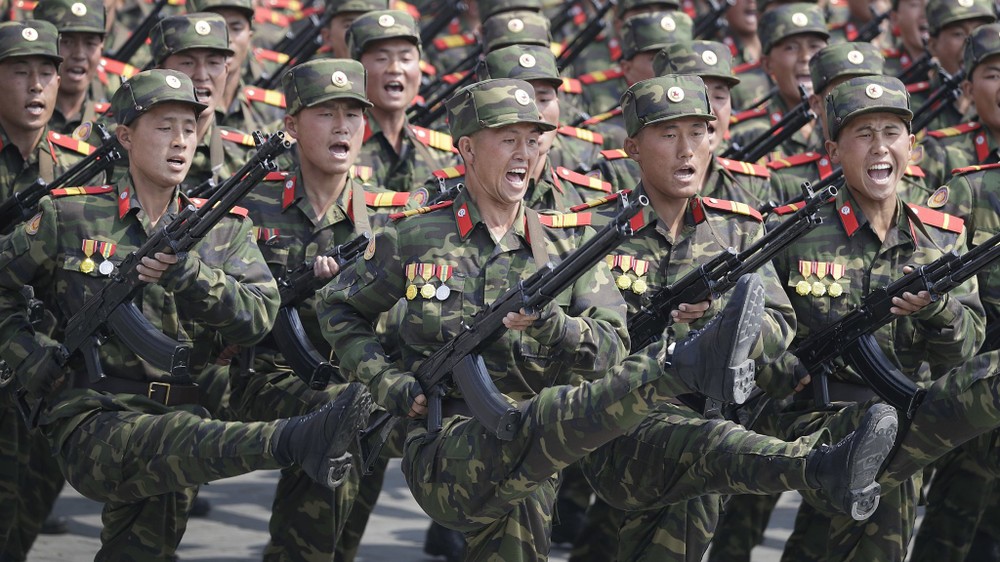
<point>522,62</point>
<point>515,28</point>
<point>941,13</point>
<point>29,38</point>
<point>654,31</point>
<point>664,98</point>
<point>72,16</point>
<point>192,31</point>
<point>982,43</point>
<point>884,94</point>
<point>787,20</point>
<point>407,169</point>
<point>491,104</point>
<point>745,131</point>
<point>844,60</point>
<point>708,59</point>
<point>379,25</point>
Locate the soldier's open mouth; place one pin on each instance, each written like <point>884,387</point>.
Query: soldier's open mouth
<point>394,87</point>
<point>880,172</point>
<point>516,176</point>
<point>176,163</point>
<point>684,173</point>
<point>35,107</point>
<point>76,72</point>
<point>340,149</point>
<point>203,93</point>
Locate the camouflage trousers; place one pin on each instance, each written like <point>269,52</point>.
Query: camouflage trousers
<point>306,517</point>
<point>598,540</point>
<point>144,466</point>
<point>501,493</point>
<point>667,474</point>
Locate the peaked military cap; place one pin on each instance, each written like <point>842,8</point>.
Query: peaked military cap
<point>72,16</point>
<point>654,31</point>
<point>245,6</point>
<point>523,62</point>
<point>490,8</point>
<point>29,38</point>
<point>491,104</point>
<point>320,80</point>
<point>664,98</point>
<point>708,59</point>
<point>790,19</point>
<point>981,44</point>
<point>150,88</point>
<point>942,13</point>
<point>515,28</point>
<point>625,6</point>
<point>866,94</point>
<point>378,25</point>
<point>844,59</point>
<point>200,30</point>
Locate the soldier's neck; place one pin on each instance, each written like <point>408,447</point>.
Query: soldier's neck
<point>535,173</point>
<point>205,122</point>
<point>391,123</point>
<point>322,189</point>
<point>26,140</point>
<point>750,46</point>
<point>880,214</point>
<point>669,210</point>
<point>232,88</point>
<point>154,199</point>
<point>498,216</point>
<point>70,104</point>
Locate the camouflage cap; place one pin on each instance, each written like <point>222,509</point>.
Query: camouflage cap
<point>490,8</point>
<point>201,30</point>
<point>625,6</point>
<point>149,88</point>
<point>491,104</point>
<point>378,25</point>
<point>982,43</point>
<point>356,6</point>
<point>523,62</point>
<point>73,16</point>
<point>654,31</point>
<point>941,13</point>
<point>245,6</point>
<point>320,80</point>
<point>29,38</point>
<point>866,94</point>
<point>844,59</point>
<point>708,59</point>
<point>790,19</point>
<point>664,98</point>
<point>515,28</point>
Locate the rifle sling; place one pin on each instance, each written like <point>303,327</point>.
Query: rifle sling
<point>360,210</point>
<point>536,238</point>
<point>46,166</point>
<point>216,153</point>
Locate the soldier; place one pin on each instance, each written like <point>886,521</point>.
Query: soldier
<point>867,119</point>
<point>300,215</point>
<point>118,438</point>
<point>387,42</point>
<point>790,35</point>
<point>859,14</point>
<point>910,18</point>
<point>335,33</point>
<point>740,36</point>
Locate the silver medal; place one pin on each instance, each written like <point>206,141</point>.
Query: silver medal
<point>106,267</point>
<point>443,292</point>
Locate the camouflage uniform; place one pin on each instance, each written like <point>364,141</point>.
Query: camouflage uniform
<point>826,274</point>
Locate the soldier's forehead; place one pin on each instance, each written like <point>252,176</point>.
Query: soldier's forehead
<point>875,120</point>
<point>515,128</point>
<point>390,44</point>
<point>347,103</point>
<point>199,52</point>
<point>799,37</point>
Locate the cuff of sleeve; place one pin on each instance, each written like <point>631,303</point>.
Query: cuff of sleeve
<point>552,332</point>
<point>395,391</point>
<point>183,275</point>
<point>940,314</point>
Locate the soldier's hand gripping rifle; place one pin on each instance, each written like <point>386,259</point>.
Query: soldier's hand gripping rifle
<point>711,23</point>
<point>458,361</point>
<point>140,34</point>
<point>781,131</point>
<point>23,204</point>
<point>595,25</point>
<point>947,92</point>
<point>289,334</point>
<point>852,336</point>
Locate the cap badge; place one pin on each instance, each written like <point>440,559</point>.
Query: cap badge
<point>965,3</point>
<point>173,81</point>
<point>709,58</point>
<point>668,23</point>
<point>386,20</point>
<point>855,57</point>
<point>29,34</point>
<point>799,19</point>
<point>675,94</point>
<point>78,9</point>
<point>515,25</point>
<point>526,60</point>
<point>202,28</point>
<point>522,97</point>
<point>874,91</point>
<point>339,79</point>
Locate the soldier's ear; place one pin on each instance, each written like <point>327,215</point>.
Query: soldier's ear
<point>831,149</point>
<point>124,135</point>
<point>967,91</point>
<point>291,125</point>
<point>632,148</point>
<point>465,149</point>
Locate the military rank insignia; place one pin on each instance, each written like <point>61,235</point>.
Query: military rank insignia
<point>632,274</point>
<point>424,274</point>
<point>821,287</point>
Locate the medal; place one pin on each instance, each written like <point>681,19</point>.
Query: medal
<point>639,286</point>
<point>818,289</point>
<point>87,265</point>
<point>427,291</point>
<point>411,292</point>
<point>442,293</point>
<point>835,289</point>
<point>623,282</point>
<point>802,288</point>
<point>89,247</point>
<point>106,267</point>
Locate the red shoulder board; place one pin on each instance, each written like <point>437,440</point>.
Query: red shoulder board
<point>406,7</point>
<point>572,86</point>
<point>88,190</point>
<point>269,55</point>
<point>918,87</point>
<point>26,5</point>
<point>433,139</point>
<point>891,53</point>
<point>748,114</point>
<point>598,202</point>
<point>427,68</point>
<point>602,117</point>
<point>740,68</point>
<point>455,77</point>
<point>976,168</point>
<point>797,160</point>
<point>270,97</point>
<point>236,210</point>
<point>582,134</point>
<point>69,142</point>
<point>420,211</point>
<point>565,221</point>
<point>122,69</point>
<point>102,107</point>
<point>956,130</point>
<point>450,172</point>
<point>387,199</point>
<point>789,208</point>
<point>276,176</point>
<point>731,207</point>
<point>915,171</point>
<point>577,178</point>
<point>267,15</point>
<point>452,41</point>
<point>237,137</point>
<point>614,154</point>
<point>745,168</point>
<point>944,221</point>
<point>598,76</point>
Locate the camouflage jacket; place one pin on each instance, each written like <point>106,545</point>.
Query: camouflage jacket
<point>754,82</point>
<point>958,146</point>
<point>422,152</point>
<point>254,109</point>
<point>828,271</point>
<point>602,90</point>
<point>447,266</point>
<point>221,291</point>
<point>52,156</point>
<point>80,125</point>
<point>575,148</point>
<point>749,125</point>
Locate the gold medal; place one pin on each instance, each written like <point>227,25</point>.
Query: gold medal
<point>835,289</point>
<point>802,288</point>
<point>411,292</point>
<point>87,265</point>
<point>818,289</point>
<point>623,282</point>
<point>427,291</point>
<point>639,286</point>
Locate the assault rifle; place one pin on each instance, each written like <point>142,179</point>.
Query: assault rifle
<point>712,22</point>
<point>299,49</point>
<point>834,179</point>
<point>781,131</point>
<point>20,206</point>
<point>289,334</point>
<point>450,10</point>
<point>719,274</point>
<point>595,25</point>
<point>852,336</point>
<point>919,69</point>
<point>944,96</point>
<point>873,28</point>
<point>459,361</point>
<point>139,36</point>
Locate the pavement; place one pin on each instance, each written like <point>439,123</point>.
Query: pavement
<point>236,528</point>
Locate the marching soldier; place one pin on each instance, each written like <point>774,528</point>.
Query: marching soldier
<point>740,36</point>
<point>910,17</point>
<point>335,34</point>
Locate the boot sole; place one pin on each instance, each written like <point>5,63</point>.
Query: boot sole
<point>750,319</point>
<point>356,413</point>
<point>877,436</point>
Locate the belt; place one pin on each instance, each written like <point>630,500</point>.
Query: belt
<point>841,391</point>
<point>166,393</point>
